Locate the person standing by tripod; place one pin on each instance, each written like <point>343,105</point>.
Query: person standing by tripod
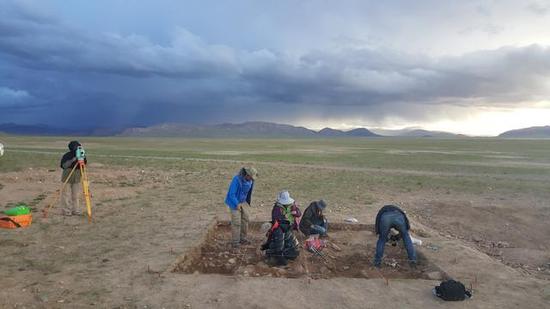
<point>70,200</point>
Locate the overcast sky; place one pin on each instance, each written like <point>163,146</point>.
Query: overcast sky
<point>474,67</point>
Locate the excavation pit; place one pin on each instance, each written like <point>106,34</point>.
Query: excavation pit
<point>349,253</point>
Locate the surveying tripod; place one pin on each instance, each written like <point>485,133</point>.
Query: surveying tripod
<point>81,165</point>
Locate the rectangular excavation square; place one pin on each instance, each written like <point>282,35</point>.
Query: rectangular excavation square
<point>349,253</point>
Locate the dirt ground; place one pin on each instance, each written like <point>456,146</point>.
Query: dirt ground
<point>146,220</point>
<point>348,252</point>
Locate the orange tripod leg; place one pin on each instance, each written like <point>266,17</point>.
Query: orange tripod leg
<point>86,189</point>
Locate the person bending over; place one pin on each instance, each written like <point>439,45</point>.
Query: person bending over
<point>388,217</point>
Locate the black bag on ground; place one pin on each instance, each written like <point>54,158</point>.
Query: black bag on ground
<point>452,290</point>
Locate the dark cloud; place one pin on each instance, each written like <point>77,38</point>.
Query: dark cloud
<point>58,73</point>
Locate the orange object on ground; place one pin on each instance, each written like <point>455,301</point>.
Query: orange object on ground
<point>13,222</point>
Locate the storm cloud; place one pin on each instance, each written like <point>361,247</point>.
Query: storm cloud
<point>53,72</point>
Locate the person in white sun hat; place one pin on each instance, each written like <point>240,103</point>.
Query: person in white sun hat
<point>290,209</point>
<point>281,244</point>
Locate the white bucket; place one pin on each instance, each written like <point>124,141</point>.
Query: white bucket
<point>416,241</point>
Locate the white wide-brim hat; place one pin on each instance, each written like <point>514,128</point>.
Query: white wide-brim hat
<point>284,198</point>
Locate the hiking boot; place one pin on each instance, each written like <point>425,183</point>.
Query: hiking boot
<point>66,212</point>
<point>413,265</point>
<point>275,261</point>
<point>235,245</point>
<point>245,242</point>
<point>264,246</point>
<point>292,257</point>
<point>377,264</point>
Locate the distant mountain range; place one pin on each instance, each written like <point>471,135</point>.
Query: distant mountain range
<point>532,132</point>
<point>251,130</point>
<point>244,130</point>
<point>417,132</point>
<point>268,129</point>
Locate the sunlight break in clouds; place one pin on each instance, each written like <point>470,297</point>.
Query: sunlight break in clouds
<point>494,122</point>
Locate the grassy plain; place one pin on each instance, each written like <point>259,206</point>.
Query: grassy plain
<point>485,201</point>
<point>466,165</point>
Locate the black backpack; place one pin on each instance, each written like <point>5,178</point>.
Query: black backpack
<point>452,290</point>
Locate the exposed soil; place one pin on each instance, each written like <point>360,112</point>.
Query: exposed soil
<point>517,238</point>
<point>349,253</point>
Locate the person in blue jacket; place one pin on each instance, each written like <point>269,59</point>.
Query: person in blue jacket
<point>239,193</point>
